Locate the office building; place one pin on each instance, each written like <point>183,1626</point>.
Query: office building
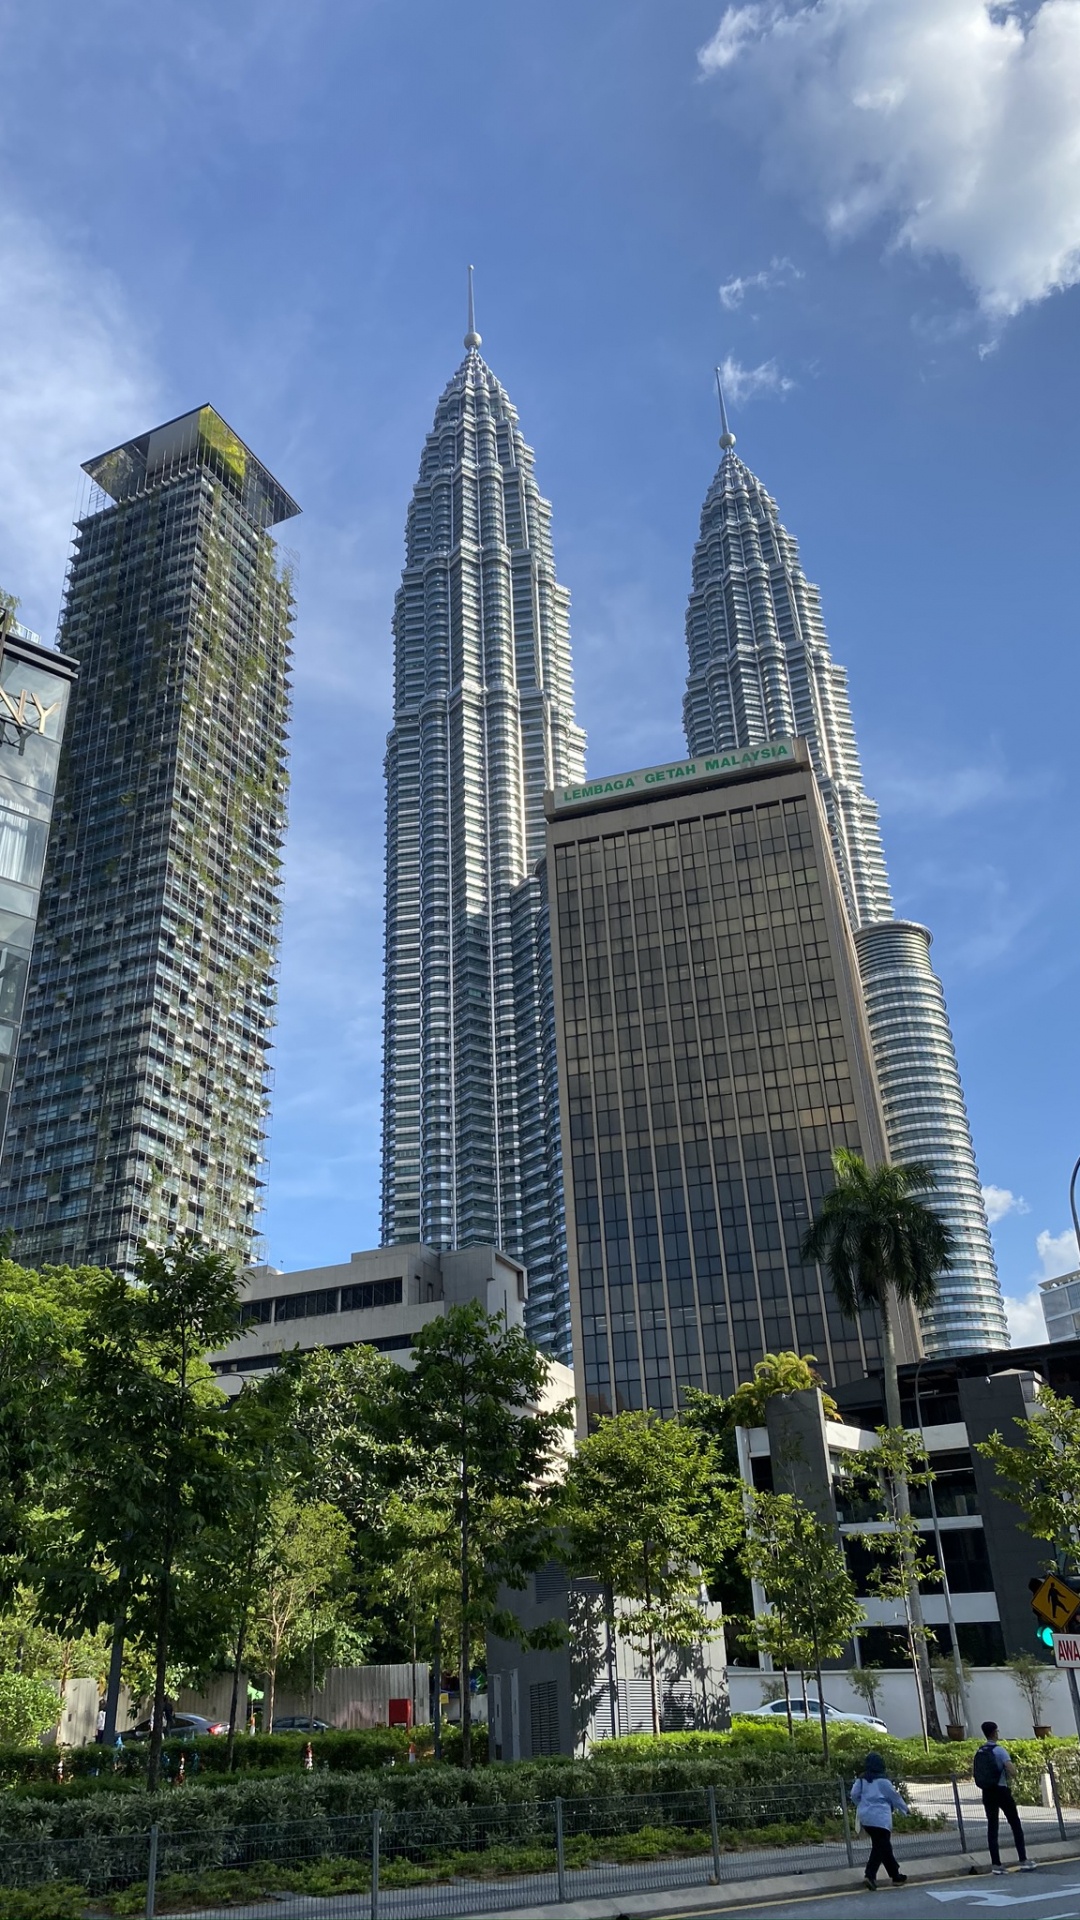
<point>970,1526</point>
<point>1061,1306</point>
<point>139,1100</point>
<point>381,1298</point>
<point>712,1055</point>
<point>760,669</point>
<point>483,723</point>
<point>35,686</point>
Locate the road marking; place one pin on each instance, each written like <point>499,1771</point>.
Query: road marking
<point>840,1893</point>
<point>992,1899</point>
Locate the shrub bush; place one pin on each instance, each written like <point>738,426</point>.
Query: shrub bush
<point>255,1753</point>
<point>745,1768</point>
<point>848,1747</point>
<point>28,1707</point>
<point>88,1808</point>
<point>59,1902</point>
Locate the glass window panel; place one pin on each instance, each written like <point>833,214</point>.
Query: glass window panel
<point>14,965</point>
<point>22,846</point>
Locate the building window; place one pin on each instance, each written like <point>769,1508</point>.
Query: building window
<point>371,1293</point>
<point>303,1306</point>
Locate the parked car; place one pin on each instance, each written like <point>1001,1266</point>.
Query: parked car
<point>776,1709</point>
<point>299,1723</point>
<point>182,1726</point>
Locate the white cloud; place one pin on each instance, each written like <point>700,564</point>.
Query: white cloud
<point>999,1201</point>
<point>957,122</point>
<point>1057,1253</point>
<point>734,291</point>
<point>73,382</point>
<point>739,26</point>
<point>742,383</point>
<point>1025,1317</point>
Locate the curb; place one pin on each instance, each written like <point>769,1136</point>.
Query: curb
<point>733,1894</point>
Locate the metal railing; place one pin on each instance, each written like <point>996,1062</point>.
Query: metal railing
<point>420,1864</point>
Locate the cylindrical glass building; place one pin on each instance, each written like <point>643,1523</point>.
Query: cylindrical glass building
<point>925,1119</point>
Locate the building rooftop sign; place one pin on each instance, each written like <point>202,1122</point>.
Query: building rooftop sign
<point>647,783</point>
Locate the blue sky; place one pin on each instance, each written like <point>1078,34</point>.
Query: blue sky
<point>870,208</point>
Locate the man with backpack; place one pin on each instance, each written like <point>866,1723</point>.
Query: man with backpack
<point>993,1769</point>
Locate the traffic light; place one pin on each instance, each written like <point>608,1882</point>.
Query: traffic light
<point>1045,1636</point>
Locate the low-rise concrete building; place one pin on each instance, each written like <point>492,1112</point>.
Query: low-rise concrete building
<point>381,1299</point>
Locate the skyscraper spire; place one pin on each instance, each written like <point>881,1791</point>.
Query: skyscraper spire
<point>760,668</point>
<point>727,438</point>
<point>472,338</point>
<point>483,724</point>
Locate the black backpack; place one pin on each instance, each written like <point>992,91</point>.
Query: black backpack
<point>986,1769</point>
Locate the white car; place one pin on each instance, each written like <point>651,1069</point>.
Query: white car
<point>776,1710</point>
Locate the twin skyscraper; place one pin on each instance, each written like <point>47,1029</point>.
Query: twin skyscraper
<point>135,1047</point>
<point>484,727</point>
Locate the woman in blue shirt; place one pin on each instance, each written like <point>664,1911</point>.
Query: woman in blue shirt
<point>876,1800</point>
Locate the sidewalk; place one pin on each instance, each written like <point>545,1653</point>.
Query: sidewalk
<point>781,1886</point>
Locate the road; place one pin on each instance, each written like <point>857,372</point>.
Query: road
<point>1050,1893</point>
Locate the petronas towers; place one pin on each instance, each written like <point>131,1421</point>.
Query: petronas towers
<point>483,724</point>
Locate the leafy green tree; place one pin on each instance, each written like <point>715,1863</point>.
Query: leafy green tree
<point>879,1241</point>
<point>800,1563</point>
<point>303,1602</point>
<point>28,1647</point>
<point>356,1450</point>
<point>41,1320</point>
<point>150,1466</point>
<point>645,1515</point>
<point>865,1683</point>
<point>417,1578</point>
<point>268,1457</point>
<point>397,1493</point>
<point>947,1680</point>
<point>28,1708</point>
<point>1042,1472</point>
<point>772,1634</point>
<point>472,1406</point>
<point>880,1478</point>
<point>359,1450</point>
<point>1033,1679</point>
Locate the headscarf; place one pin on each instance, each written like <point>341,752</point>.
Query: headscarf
<point>873,1767</point>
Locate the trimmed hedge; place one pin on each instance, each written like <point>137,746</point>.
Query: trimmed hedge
<point>742,1766</point>
<point>353,1752</point>
<point>849,1745</point>
<point>259,1800</point>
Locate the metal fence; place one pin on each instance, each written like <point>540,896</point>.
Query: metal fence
<point>446,1861</point>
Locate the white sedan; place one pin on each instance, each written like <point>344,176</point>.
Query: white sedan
<point>776,1710</point>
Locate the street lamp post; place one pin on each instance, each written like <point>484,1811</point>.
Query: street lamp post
<point>945,1588</point>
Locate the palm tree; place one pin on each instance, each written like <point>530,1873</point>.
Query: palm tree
<point>878,1242</point>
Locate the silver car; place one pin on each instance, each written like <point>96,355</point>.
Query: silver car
<point>776,1709</point>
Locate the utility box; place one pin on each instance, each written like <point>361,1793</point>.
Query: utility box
<point>400,1713</point>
